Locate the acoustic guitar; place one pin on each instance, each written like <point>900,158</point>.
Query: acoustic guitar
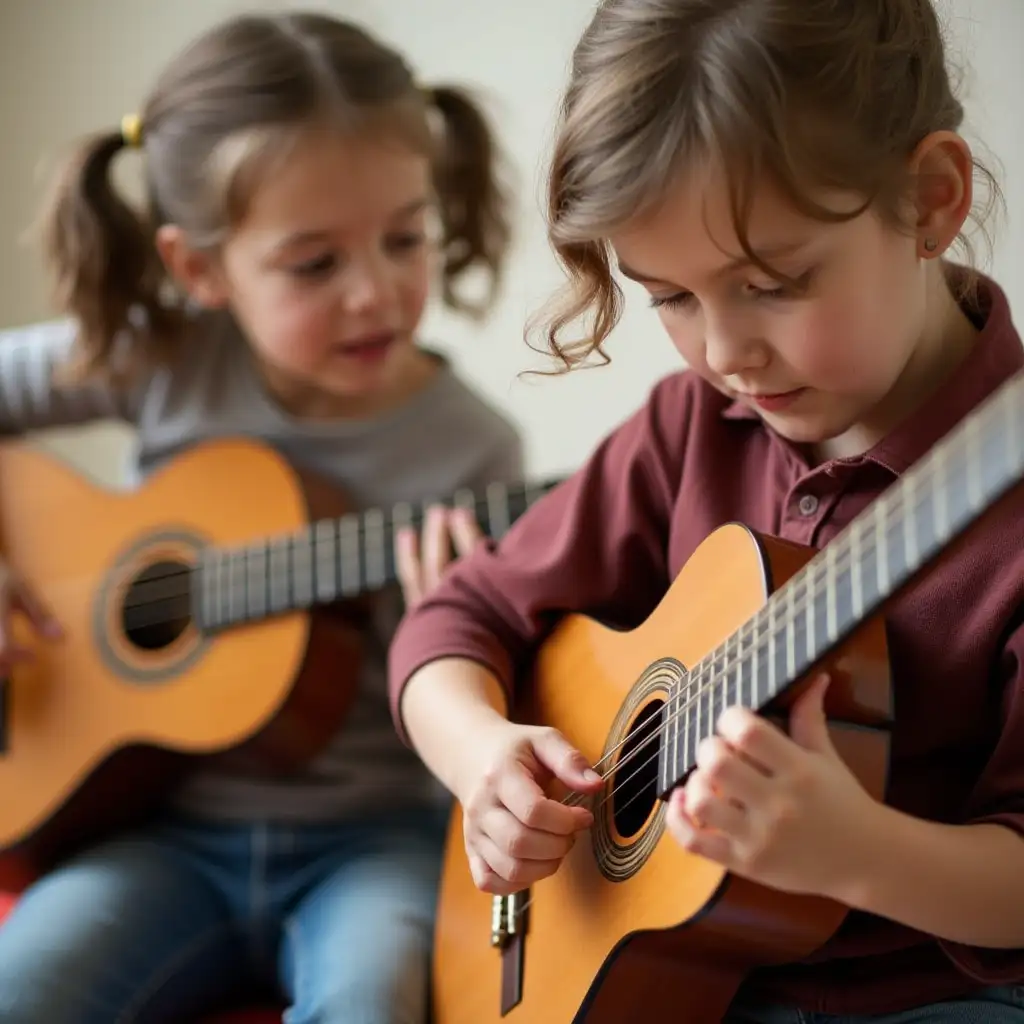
<point>631,920</point>
<point>215,610</point>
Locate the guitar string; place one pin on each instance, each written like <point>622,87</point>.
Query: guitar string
<point>221,557</point>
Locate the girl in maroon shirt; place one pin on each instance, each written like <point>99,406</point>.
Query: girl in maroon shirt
<point>785,180</point>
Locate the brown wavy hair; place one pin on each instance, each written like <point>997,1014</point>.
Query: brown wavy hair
<point>808,94</point>
<point>218,118</point>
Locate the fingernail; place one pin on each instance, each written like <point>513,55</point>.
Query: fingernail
<point>591,776</point>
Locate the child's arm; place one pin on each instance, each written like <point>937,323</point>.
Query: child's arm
<point>32,394</point>
<point>965,883</point>
<point>962,883</point>
<point>785,811</point>
<point>596,543</point>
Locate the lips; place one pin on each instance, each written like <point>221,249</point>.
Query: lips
<point>368,347</point>
<point>774,401</point>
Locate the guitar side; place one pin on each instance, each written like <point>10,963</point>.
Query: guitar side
<point>630,913</point>
<point>96,725</point>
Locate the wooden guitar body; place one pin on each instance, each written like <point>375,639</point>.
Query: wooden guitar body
<point>99,721</point>
<point>631,920</point>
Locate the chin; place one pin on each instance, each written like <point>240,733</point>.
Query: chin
<point>805,429</point>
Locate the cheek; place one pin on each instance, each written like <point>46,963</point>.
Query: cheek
<point>413,289</point>
<point>850,341</point>
<point>290,323</point>
<point>686,336</point>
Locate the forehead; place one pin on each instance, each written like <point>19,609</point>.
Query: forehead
<point>691,233</point>
<point>330,181</point>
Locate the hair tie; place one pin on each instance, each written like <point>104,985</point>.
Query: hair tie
<point>131,130</point>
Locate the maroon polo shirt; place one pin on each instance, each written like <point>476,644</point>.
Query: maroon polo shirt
<point>608,541</point>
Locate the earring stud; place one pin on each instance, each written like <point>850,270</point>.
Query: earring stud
<point>930,245</point>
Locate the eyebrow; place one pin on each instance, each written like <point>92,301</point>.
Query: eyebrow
<point>308,237</point>
<point>766,253</point>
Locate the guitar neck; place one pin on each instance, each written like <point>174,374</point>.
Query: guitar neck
<point>853,577</point>
<point>333,559</point>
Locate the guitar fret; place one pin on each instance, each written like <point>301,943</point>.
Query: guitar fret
<point>256,581</point>
<point>326,558</point>
<point>375,548</point>
<point>498,518</point>
<point>302,570</point>
<point>237,609</point>
<point>790,627</point>
<point>756,667</point>
<point>856,584</point>
<point>910,540</point>
<point>279,574</point>
<point>350,575</point>
<point>831,614</point>
<point>881,549</point>
<point>811,615</point>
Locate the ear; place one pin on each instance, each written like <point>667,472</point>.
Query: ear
<point>943,173</point>
<point>198,272</point>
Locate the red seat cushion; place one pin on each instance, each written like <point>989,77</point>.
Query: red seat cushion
<point>261,1016</point>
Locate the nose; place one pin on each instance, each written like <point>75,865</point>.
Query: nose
<point>728,350</point>
<point>367,285</point>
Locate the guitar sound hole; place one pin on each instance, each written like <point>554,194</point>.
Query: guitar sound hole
<point>158,605</point>
<point>635,782</point>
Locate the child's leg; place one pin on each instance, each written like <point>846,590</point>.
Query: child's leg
<point>126,932</point>
<point>356,948</point>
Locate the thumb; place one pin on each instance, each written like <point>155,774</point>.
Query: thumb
<point>38,614</point>
<point>564,761</point>
<point>808,726</point>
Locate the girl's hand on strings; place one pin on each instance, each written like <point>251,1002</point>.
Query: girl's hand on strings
<point>421,561</point>
<point>514,833</point>
<point>783,811</point>
<point>17,598</point>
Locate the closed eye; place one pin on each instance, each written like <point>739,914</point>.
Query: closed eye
<point>321,266</point>
<point>680,300</point>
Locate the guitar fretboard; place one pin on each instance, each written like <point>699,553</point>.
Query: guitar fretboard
<point>848,581</point>
<point>332,560</point>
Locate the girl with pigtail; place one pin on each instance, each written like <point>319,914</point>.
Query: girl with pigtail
<point>301,189</point>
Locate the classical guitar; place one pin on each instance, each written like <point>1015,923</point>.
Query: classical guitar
<point>631,921</point>
<point>216,609</point>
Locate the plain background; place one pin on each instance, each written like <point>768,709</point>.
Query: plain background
<point>67,68</point>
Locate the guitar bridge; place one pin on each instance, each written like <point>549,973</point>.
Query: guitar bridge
<point>508,934</point>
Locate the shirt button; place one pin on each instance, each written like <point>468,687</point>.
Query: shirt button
<point>808,505</point>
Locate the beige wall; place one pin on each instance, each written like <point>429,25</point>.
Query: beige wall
<point>70,66</point>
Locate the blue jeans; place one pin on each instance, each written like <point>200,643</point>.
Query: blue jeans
<point>997,1005</point>
<point>177,919</point>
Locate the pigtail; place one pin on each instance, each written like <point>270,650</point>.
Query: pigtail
<point>106,274</point>
<point>473,199</point>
